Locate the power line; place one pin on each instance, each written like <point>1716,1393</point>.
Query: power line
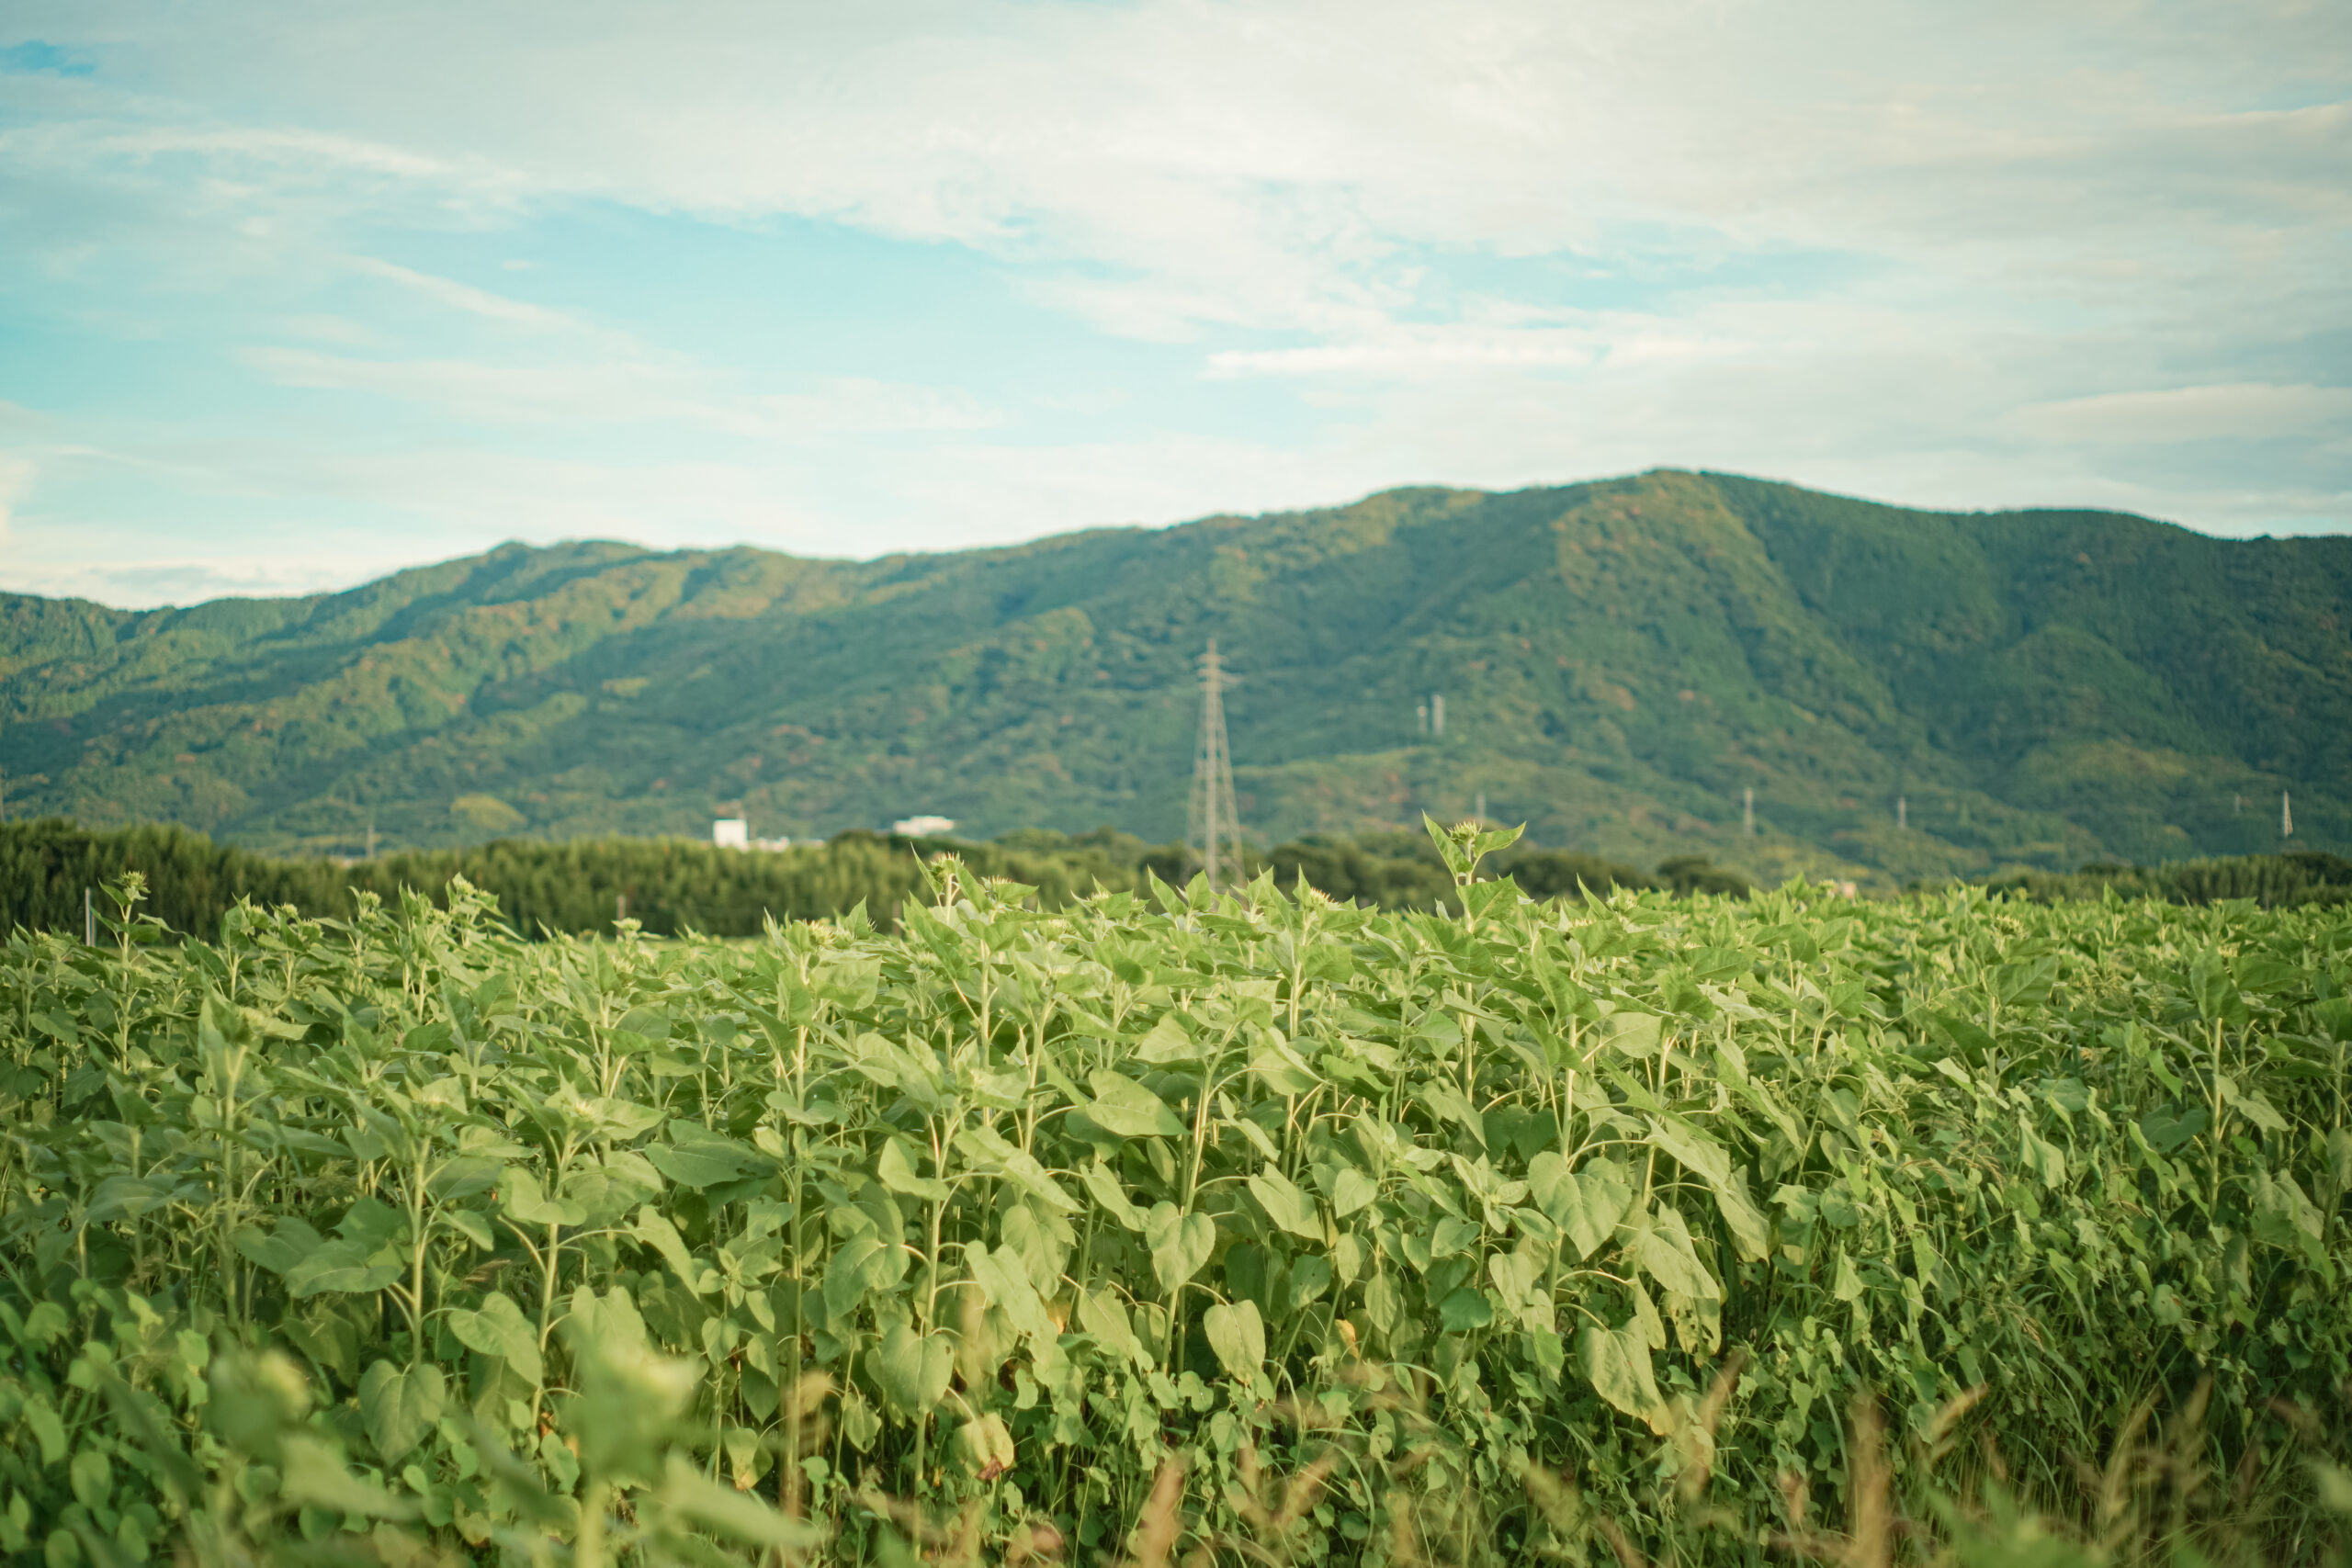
<point>1214,827</point>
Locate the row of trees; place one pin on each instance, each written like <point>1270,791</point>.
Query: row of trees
<point>2275,882</point>
<point>670,885</point>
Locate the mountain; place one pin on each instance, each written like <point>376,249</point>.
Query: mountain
<point>1619,661</point>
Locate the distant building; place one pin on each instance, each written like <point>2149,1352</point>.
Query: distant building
<point>731,833</point>
<point>771,843</point>
<point>922,827</point>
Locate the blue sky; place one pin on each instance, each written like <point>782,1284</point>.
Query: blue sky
<point>291,296</point>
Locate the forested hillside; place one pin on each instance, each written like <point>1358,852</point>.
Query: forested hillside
<point>1619,661</point>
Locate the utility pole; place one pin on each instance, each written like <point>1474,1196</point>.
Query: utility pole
<point>1215,828</point>
<point>1747,812</point>
<point>1480,813</point>
<point>2285,817</point>
<point>1437,713</point>
<point>1902,814</point>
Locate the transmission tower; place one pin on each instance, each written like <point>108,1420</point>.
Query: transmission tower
<point>1214,830</point>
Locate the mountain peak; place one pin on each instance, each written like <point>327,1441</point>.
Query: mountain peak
<point>1621,662</point>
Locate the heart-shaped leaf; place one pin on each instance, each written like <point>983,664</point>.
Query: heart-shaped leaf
<point>397,1408</point>
<point>1238,1335</point>
<point>912,1370</point>
<point>499,1329</point>
<point>1180,1243</point>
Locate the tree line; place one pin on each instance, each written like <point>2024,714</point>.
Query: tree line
<point>671,886</point>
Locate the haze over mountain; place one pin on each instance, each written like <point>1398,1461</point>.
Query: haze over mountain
<point>1619,661</point>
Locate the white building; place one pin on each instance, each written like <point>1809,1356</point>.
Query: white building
<point>922,827</point>
<point>731,833</point>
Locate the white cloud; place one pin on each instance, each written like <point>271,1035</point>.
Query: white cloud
<point>16,483</point>
<point>470,299</point>
<point>2013,255</point>
<point>2245,412</point>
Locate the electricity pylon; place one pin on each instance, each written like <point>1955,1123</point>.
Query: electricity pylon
<point>1213,828</point>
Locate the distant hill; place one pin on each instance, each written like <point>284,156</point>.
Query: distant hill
<point>1618,661</point>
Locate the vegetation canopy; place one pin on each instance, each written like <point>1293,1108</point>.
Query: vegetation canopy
<point>1169,1226</point>
<point>1908,695</point>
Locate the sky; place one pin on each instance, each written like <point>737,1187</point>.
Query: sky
<point>292,296</point>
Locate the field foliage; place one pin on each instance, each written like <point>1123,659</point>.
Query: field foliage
<point>1170,1226</point>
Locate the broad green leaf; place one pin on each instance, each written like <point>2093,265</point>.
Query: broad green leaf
<point>697,1158</point>
<point>520,1196</point>
<point>654,1229</point>
<point>470,1224</point>
<point>124,1197</point>
<point>288,1243</point>
<point>1704,1157</point>
<point>1516,1276</point>
<point>896,1171</point>
<point>1661,1243</point>
<point>398,1406</point>
<point>349,1268</point>
<point>1238,1337</point>
<point>1586,1204</point>
<point>1180,1243</point>
<point>912,1370</point>
<point>1102,1315</point>
<point>1617,1363</point>
<point>1004,1280</point>
<point>1166,1042</point>
<point>498,1328</point>
<point>609,1189</point>
<point>372,1223</point>
<point>2283,1216</point>
<point>850,1274</point>
<point>1464,1311</point>
<point>1635,1033</point>
<point>1282,1070</point>
<point>1123,1106</point>
<point>1447,1100</point>
<point>2043,1158</point>
<point>1350,1190</point>
<point>987,1151</point>
<point>1698,1152</point>
<point>1258,1137</point>
<point>1289,1207</point>
<point>1103,1185</point>
<point>2255,1107</point>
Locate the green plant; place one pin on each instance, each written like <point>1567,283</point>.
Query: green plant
<point>1275,1228</point>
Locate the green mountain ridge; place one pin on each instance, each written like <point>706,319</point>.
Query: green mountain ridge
<point>1619,661</point>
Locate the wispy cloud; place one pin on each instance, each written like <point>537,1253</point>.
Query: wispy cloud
<point>1147,260</point>
<point>2240,411</point>
<point>16,483</point>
